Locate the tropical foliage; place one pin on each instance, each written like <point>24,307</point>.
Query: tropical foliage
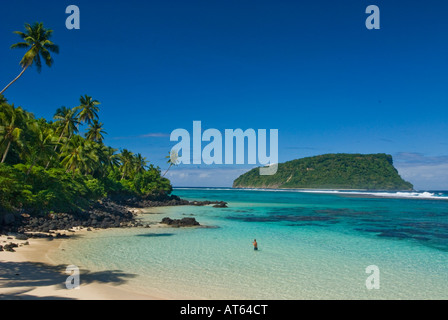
<point>331,171</point>
<point>52,165</point>
<point>36,40</point>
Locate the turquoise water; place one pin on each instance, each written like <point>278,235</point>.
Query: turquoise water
<point>312,246</point>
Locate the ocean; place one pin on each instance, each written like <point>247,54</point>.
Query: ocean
<point>312,245</point>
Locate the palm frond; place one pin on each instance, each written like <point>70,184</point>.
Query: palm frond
<point>20,45</point>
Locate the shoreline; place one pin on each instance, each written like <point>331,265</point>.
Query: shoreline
<point>30,274</point>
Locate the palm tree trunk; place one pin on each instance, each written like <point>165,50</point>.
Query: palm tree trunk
<point>55,147</point>
<point>167,170</point>
<point>29,170</point>
<point>23,70</point>
<point>6,152</point>
<point>59,140</point>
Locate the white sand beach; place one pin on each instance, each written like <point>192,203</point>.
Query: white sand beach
<point>29,274</point>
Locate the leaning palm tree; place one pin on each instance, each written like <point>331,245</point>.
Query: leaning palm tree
<point>95,132</point>
<point>37,40</point>
<point>88,109</point>
<point>12,124</point>
<point>173,160</point>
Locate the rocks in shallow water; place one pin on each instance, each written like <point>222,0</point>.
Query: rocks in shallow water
<point>108,213</point>
<point>184,222</point>
<point>216,204</point>
<point>221,204</point>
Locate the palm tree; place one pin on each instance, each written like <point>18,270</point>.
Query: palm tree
<point>41,146</point>
<point>173,160</point>
<point>37,40</point>
<point>88,109</point>
<point>66,121</point>
<point>95,132</point>
<point>139,163</point>
<point>78,155</point>
<point>126,162</point>
<point>108,159</point>
<point>12,122</point>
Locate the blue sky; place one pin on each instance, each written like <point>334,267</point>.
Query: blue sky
<point>310,69</point>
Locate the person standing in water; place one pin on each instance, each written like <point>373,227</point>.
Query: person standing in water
<point>255,244</point>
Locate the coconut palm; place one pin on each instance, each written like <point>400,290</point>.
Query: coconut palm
<point>67,122</point>
<point>78,155</point>
<point>139,163</point>
<point>88,109</point>
<point>173,160</point>
<point>42,145</point>
<point>12,123</point>
<point>95,132</point>
<point>37,40</point>
<point>126,158</point>
<point>109,157</point>
<point>66,119</point>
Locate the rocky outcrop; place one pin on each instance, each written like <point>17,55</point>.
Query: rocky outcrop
<point>184,222</point>
<point>220,204</point>
<point>108,213</point>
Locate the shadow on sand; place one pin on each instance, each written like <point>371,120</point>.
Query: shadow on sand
<point>27,276</point>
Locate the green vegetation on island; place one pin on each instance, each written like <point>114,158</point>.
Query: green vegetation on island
<point>330,171</point>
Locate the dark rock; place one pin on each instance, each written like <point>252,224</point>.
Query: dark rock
<point>113,212</point>
<point>21,236</point>
<point>184,222</point>
<point>221,204</point>
<point>10,247</point>
<point>8,219</point>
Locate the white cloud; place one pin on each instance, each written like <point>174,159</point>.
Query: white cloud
<point>204,177</point>
<point>425,172</point>
<point>146,135</point>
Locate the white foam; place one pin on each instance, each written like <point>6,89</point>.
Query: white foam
<point>400,194</point>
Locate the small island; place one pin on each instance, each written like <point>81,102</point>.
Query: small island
<point>330,171</point>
